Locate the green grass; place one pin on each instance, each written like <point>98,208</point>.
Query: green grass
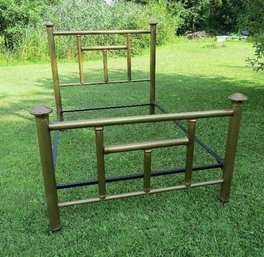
<point>190,76</point>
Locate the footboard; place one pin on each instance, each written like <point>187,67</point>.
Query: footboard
<point>44,127</point>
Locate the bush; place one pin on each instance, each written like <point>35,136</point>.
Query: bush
<point>94,15</point>
<point>15,15</point>
<point>253,20</point>
<point>23,33</point>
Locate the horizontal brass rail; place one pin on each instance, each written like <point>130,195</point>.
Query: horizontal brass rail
<point>145,145</point>
<point>97,48</point>
<point>100,32</point>
<point>102,82</point>
<point>59,125</point>
<point>152,191</point>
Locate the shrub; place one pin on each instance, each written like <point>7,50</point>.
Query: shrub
<point>94,15</point>
<point>15,15</point>
<point>24,36</point>
<point>253,20</point>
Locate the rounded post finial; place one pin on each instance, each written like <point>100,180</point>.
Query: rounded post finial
<point>153,22</point>
<point>40,110</point>
<point>238,98</point>
<point>49,24</point>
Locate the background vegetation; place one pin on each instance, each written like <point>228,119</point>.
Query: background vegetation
<point>22,33</point>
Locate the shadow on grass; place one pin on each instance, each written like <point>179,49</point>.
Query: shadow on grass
<point>176,93</point>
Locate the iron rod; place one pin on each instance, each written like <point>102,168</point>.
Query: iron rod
<point>136,176</point>
<point>145,145</point>
<point>197,140</point>
<point>153,191</point>
<point>189,153</point>
<point>138,119</point>
<point>106,108</point>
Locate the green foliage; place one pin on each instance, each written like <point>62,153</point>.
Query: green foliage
<point>258,62</point>
<point>224,16</point>
<point>193,14</point>
<point>216,16</point>
<point>253,20</point>
<point>26,38</point>
<point>15,15</point>
<point>93,15</point>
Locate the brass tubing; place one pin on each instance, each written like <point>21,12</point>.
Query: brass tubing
<point>189,153</point>
<point>41,114</point>
<point>147,170</point>
<point>80,59</point>
<point>129,76</point>
<point>101,32</point>
<point>99,137</point>
<point>231,145</point>
<point>152,90</point>
<point>138,119</point>
<point>133,194</point>
<point>103,83</point>
<point>145,145</point>
<point>105,61</point>
<point>54,70</point>
<point>98,48</point>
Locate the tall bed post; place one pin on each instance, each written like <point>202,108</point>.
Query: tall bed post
<point>153,26</point>
<point>54,69</point>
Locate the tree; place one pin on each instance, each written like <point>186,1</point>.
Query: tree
<point>253,20</point>
<point>16,14</point>
<point>224,15</point>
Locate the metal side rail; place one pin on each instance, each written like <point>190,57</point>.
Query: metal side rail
<point>136,176</point>
<point>107,108</point>
<point>219,158</point>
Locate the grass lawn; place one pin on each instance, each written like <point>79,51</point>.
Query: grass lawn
<point>190,76</point>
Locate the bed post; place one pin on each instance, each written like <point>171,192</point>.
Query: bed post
<point>153,27</point>
<point>231,145</point>
<point>54,70</point>
<point>41,114</point>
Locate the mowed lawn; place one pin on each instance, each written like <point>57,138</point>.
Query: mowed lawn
<point>191,76</point>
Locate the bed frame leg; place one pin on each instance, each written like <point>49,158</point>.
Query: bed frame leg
<point>231,145</point>
<point>41,114</point>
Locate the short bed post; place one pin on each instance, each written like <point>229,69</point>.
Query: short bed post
<point>41,114</point>
<point>231,145</point>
